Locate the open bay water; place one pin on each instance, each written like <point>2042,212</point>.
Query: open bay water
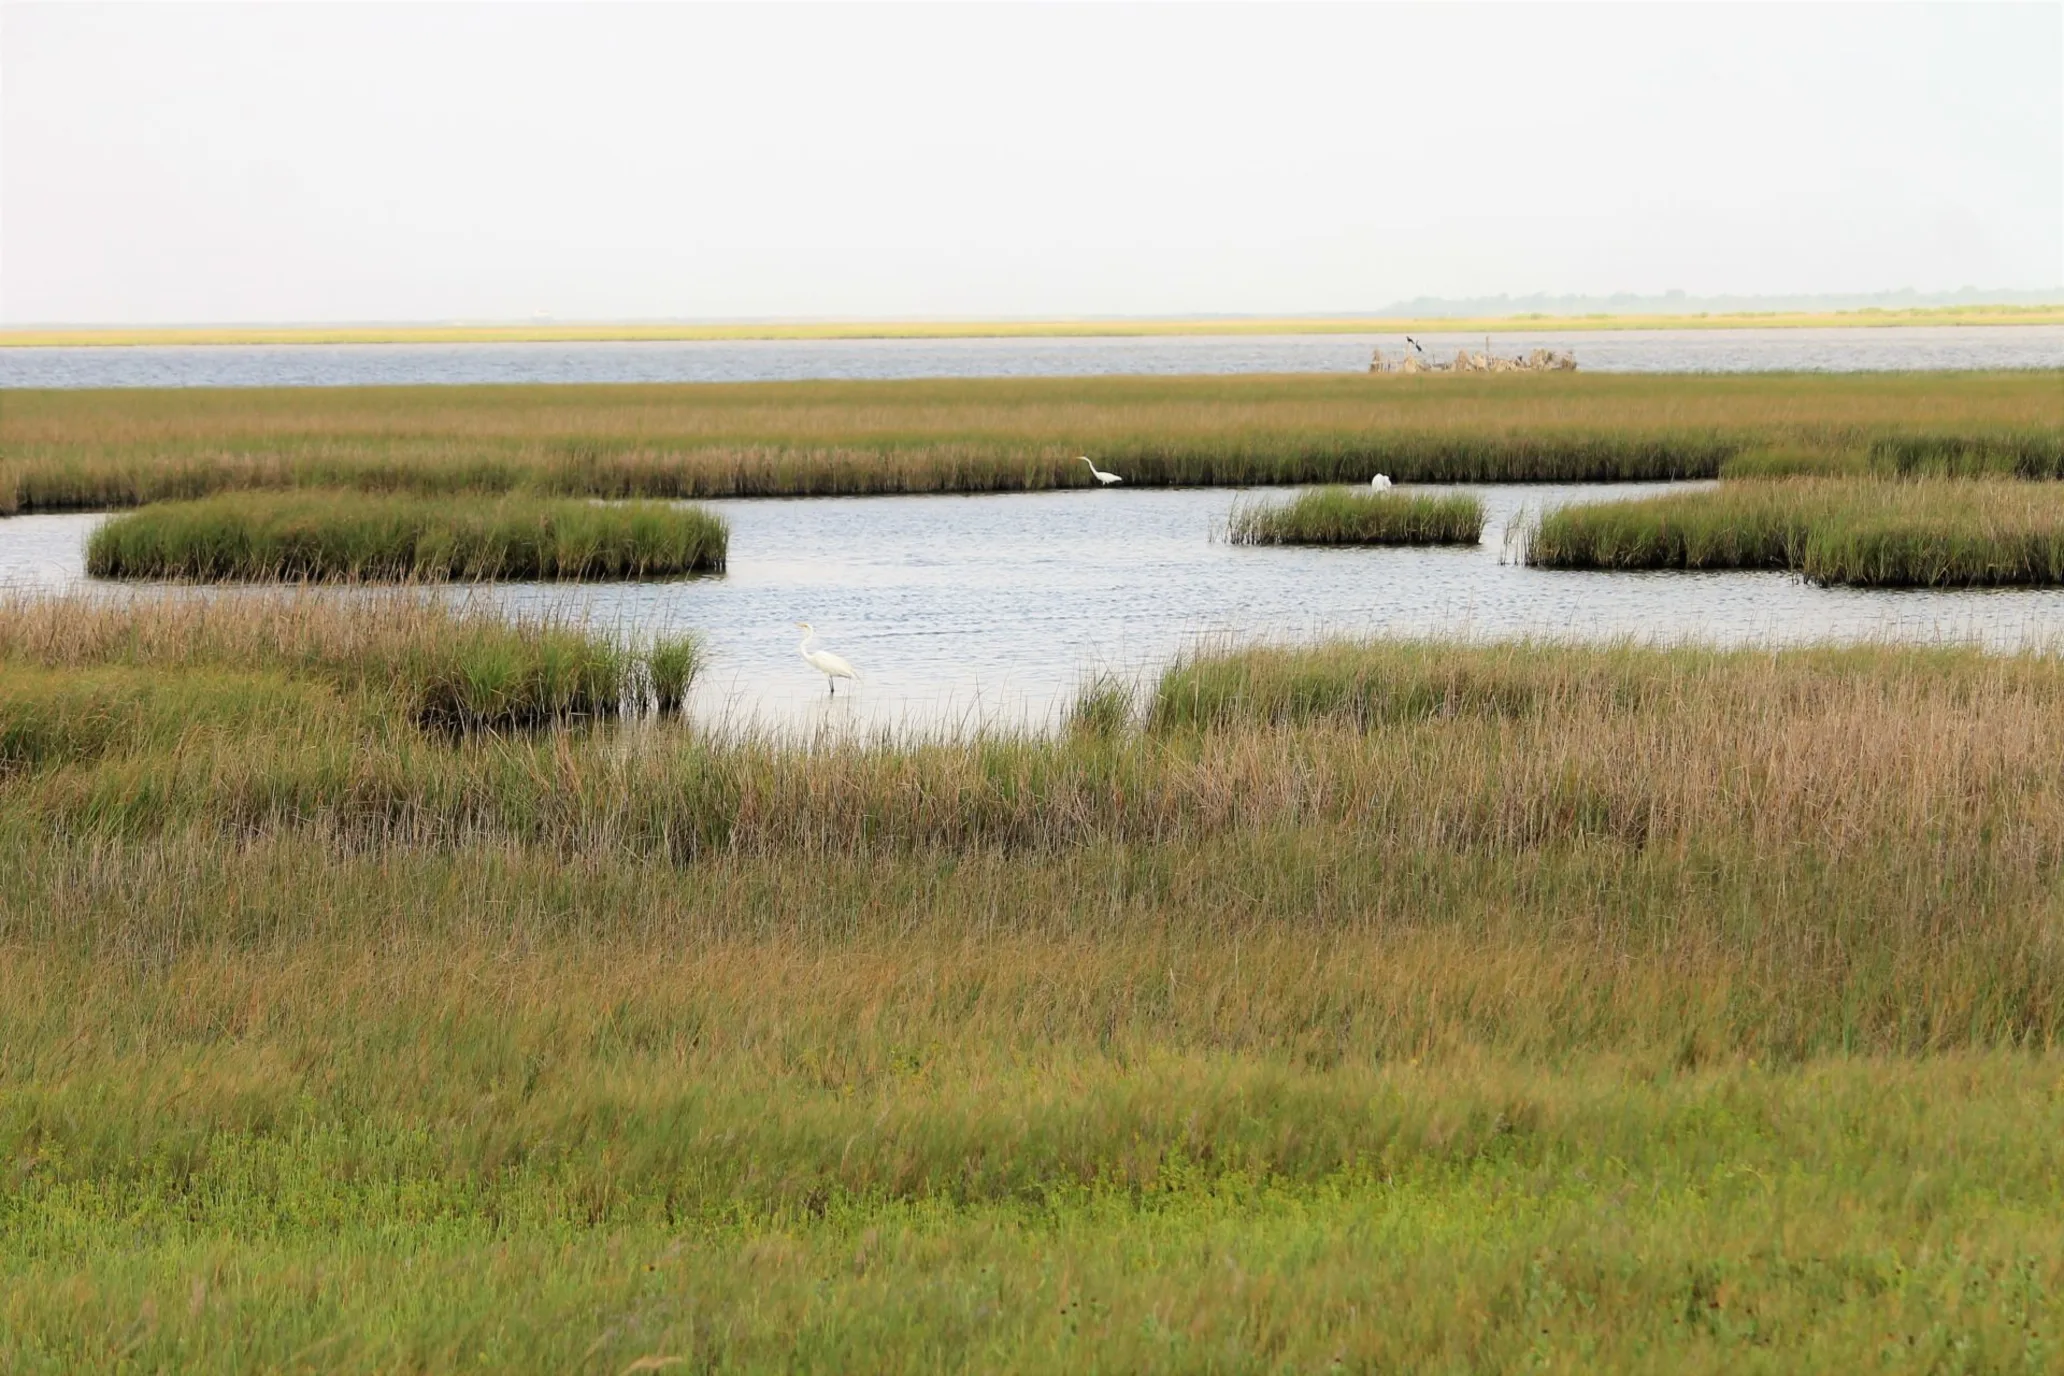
<point>994,610</point>
<point>1887,348</point>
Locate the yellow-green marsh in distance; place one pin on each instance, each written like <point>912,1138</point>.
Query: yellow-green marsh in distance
<point>76,449</point>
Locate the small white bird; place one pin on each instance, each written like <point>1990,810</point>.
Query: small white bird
<point>824,661</point>
<point>1380,482</point>
<point>1105,478</point>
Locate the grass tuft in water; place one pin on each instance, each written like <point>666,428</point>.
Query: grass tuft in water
<point>672,662</point>
<point>1357,516</point>
<point>350,536</point>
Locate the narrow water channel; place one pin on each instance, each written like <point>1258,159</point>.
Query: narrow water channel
<point>994,609</point>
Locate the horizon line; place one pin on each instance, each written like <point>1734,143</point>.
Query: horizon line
<point>545,329</point>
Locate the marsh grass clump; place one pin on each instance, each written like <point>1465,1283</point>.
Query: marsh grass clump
<point>1746,525</point>
<point>1862,533</point>
<point>672,662</point>
<point>2036,453</point>
<point>147,670</point>
<point>488,680</point>
<point>1103,706</point>
<point>2014,541</point>
<point>357,537</point>
<point>56,716</point>
<point>1357,516</point>
<point>1368,686</point>
<point>1798,461</point>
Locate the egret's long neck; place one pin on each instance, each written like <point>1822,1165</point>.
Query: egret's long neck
<point>808,636</point>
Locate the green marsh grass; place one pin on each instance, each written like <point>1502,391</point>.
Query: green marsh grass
<point>349,536</point>
<point>146,669</point>
<point>55,716</point>
<point>1405,1004</point>
<point>76,449</point>
<point>1409,783</point>
<point>672,662</point>
<point>1857,532</point>
<point>2031,454</point>
<point>1979,454</point>
<point>1103,706</point>
<point>1358,516</point>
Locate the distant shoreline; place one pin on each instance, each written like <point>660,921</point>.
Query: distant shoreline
<point>598,333</point>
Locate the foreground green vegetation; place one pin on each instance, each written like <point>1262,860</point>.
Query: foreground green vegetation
<point>1016,329</point>
<point>1924,533</point>
<point>1358,516</point>
<point>85,680</point>
<point>515,1203</point>
<point>1407,1004</point>
<point>80,449</point>
<point>303,536</point>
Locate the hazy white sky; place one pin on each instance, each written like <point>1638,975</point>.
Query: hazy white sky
<point>346,162</point>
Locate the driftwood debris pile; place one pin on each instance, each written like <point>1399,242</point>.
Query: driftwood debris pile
<point>1414,359</point>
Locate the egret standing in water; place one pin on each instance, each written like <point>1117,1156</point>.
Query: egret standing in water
<point>1102,477</point>
<point>824,661</point>
<point>1380,482</point>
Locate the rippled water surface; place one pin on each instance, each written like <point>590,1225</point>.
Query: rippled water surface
<point>1634,351</point>
<point>994,609</point>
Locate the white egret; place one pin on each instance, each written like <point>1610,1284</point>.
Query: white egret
<point>1381,482</point>
<point>824,661</point>
<point>1105,478</point>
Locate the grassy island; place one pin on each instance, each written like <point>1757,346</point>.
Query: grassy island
<point>318,536</point>
<point>1401,1005</point>
<point>1359,516</point>
<point>1923,533</point>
